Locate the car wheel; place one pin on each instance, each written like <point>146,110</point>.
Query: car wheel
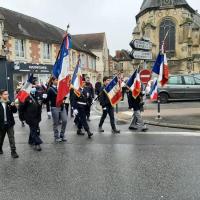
<point>163,97</point>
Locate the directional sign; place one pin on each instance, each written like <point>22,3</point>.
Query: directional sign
<point>141,55</point>
<point>145,76</point>
<point>141,44</point>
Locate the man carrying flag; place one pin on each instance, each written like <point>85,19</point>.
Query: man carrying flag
<point>80,102</point>
<point>135,101</point>
<point>59,88</point>
<point>110,95</point>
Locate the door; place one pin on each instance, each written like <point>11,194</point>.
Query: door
<point>192,89</point>
<point>175,87</point>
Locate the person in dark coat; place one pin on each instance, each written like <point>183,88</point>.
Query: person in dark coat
<point>89,90</point>
<point>107,108</point>
<point>7,122</point>
<point>31,111</point>
<point>98,86</point>
<point>80,106</point>
<point>137,105</point>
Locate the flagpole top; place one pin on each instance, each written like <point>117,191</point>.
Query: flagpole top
<point>68,26</point>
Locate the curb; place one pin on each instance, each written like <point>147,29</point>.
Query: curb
<point>157,123</point>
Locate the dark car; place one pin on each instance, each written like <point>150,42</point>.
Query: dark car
<point>181,87</point>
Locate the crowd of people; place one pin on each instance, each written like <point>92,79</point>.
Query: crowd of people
<point>78,104</point>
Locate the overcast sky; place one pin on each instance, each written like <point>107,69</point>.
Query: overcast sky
<point>115,17</point>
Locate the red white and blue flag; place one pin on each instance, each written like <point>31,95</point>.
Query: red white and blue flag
<point>114,91</point>
<point>161,68</point>
<point>77,79</point>
<point>154,91</point>
<point>25,90</point>
<point>134,84</point>
<point>61,70</point>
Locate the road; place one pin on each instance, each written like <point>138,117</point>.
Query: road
<point>160,164</point>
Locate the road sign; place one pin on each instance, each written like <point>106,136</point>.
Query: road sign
<point>141,44</point>
<point>145,76</point>
<point>141,55</point>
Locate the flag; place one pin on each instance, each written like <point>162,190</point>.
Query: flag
<point>61,70</point>
<point>77,79</point>
<point>25,90</point>
<point>161,68</point>
<point>154,91</point>
<point>134,84</point>
<point>114,91</point>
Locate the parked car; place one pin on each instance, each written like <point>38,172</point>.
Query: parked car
<point>181,87</point>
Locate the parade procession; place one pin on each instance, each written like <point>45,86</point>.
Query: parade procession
<point>62,88</point>
<point>99,100</point>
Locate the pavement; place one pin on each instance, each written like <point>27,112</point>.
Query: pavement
<point>160,164</point>
<point>185,115</point>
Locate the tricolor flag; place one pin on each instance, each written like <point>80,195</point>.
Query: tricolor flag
<point>154,91</point>
<point>114,91</point>
<point>25,90</point>
<point>77,81</point>
<point>161,68</point>
<point>134,84</point>
<point>61,70</point>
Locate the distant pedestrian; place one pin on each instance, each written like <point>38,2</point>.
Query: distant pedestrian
<point>7,122</point>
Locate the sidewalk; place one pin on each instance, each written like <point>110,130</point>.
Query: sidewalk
<point>186,118</point>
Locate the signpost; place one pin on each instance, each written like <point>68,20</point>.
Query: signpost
<point>145,76</point>
<point>141,55</point>
<point>141,44</point>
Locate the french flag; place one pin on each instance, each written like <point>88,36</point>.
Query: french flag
<point>61,70</point>
<point>154,91</point>
<point>77,79</point>
<point>161,68</point>
<point>25,90</point>
<point>114,91</point>
<point>134,84</point>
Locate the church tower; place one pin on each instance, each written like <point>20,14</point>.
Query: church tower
<point>157,17</point>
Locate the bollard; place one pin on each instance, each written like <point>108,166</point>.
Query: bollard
<point>158,115</point>
<point>117,110</point>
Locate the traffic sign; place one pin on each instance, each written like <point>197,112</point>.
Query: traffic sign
<point>141,44</point>
<point>141,55</point>
<point>145,76</point>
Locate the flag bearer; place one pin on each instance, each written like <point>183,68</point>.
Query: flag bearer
<point>137,105</point>
<point>80,107</point>
<point>107,108</point>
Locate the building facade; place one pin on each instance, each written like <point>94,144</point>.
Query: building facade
<point>180,24</point>
<point>31,46</point>
<point>123,63</point>
<point>97,44</point>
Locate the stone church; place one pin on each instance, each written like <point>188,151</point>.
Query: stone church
<point>156,18</point>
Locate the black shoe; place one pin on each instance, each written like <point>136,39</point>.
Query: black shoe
<point>115,131</point>
<point>14,154</point>
<point>88,119</point>
<point>1,151</point>
<point>144,129</point>
<point>23,124</point>
<point>132,128</point>
<point>38,148</point>
<point>79,132</point>
<point>89,134</point>
<point>101,130</point>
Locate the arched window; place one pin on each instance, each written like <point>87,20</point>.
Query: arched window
<point>165,26</point>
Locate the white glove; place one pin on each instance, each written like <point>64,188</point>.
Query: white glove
<point>104,108</point>
<point>44,96</point>
<point>49,113</point>
<point>75,112</point>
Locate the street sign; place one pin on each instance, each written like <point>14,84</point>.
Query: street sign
<point>141,55</point>
<point>141,44</point>
<point>145,76</point>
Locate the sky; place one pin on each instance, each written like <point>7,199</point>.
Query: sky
<point>114,17</point>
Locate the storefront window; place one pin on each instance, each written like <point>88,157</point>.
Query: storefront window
<point>20,48</point>
<point>46,51</point>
